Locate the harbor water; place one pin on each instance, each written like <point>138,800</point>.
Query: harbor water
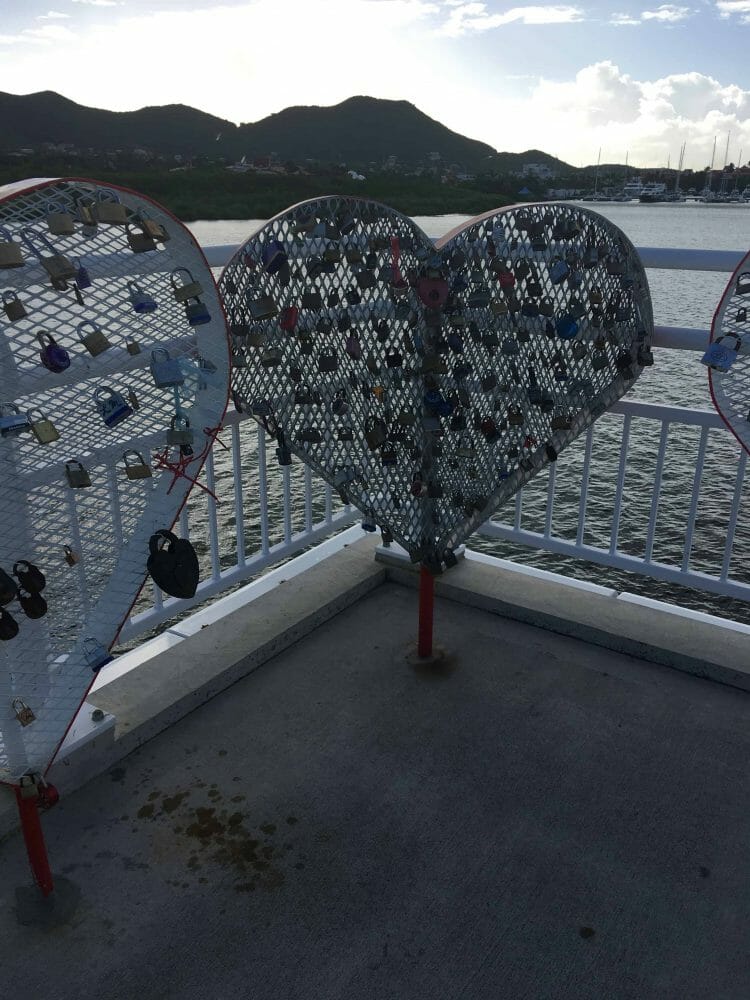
<point>681,298</point>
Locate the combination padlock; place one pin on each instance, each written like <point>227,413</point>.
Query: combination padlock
<point>13,307</point>
<point>12,421</point>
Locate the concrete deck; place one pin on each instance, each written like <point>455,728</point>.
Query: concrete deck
<point>541,818</point>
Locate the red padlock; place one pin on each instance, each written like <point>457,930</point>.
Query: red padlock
<point>289,317</point>
<point>433,292</point>
<point>48,796</point>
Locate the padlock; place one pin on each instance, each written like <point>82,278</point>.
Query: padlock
<point>515,416</point>
<point>184,290</point>
<point>152,228</point>
<point>133,400</point>
<point>28,787</point>
<point>303,395</point>
<point>22,711</point>
<point>43,429</point>
<point>85,213</point>
<point>95,342</point>
<point>561,421</point>
<point>141,301</point>
<point>368,523</point>
<point>165,370</point>
<point>135,467</point>
<point>558,271</point>
<point>273,257</point>
<point>33,605</point>
<point>13,307</point>
<point>742,286</point>
<point>374,434</point>
<point>132,346</point>
<point>82,280</point>
<point>70,557</point>
<point>77,476</point>
<point>434,490</point>
<point>340,406</point>
<point>271,357</point>
<point>353,347</point>
<point>406,416</point>
<point>109,209</point>
<point>95,654</point>
<point>11,254</point>
<point>566,327</point>
<point>59,221</point>
<point>139,242</point>
<point>262,307</point>
<point>197,313</point>
<point>488,381</point>
<point>388,454</point>
<point>238,358</point>
<point>53,357</point>
<point>722,354</point>
<point>112,406</point>
<point>599,360</point>
<point>57,265</point>
<point>12,421</point>
<point>180,432</point>
<point>311,300</point>
<point>288,319</point>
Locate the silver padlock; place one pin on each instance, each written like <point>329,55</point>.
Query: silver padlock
<point>23,713</point>
<point>59,221</point>
<point>43,429</point>
<point>184,290</point>
<point>180,432</point>
<point>165,371</point>
<point>11,254</point>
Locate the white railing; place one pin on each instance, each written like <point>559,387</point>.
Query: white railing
<point>268,514</point>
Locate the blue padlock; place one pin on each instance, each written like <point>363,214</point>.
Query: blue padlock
<point>273,256</point>
<point>12,421</point>
<point>112,406</point>
<point>720,356</point>
<point>558,271</point>
<point>197,313</point>
<point>566,327</point>
<point>96,654</point>
<point>141,301</point>
<point>82,278</point>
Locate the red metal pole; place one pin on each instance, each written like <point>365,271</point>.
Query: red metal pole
<point>34,839</point>
<point>426,607</point>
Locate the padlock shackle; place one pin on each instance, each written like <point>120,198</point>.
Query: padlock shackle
<point>89,322</point>
<point>26,233</point>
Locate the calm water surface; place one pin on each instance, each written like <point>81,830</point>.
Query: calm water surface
<point>681,298</point>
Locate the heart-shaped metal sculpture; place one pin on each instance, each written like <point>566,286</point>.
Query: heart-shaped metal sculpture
<point>728,355</point>
<point>427,382</point>
<point>114,375</point>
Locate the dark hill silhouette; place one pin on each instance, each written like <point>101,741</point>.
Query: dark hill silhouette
<point>358,132</point>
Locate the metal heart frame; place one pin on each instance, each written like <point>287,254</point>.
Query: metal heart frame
<point>91,542</point>
<point>428,382</point>
<point>730,389</point>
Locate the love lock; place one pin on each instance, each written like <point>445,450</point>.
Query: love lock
<point>165,371</point>
<point>12,421</point>
<point>722,354</point>
<point>78,477</point>
<point>173,564</point>
<point>43,429</point>
<point>262,307</point>
<point>11,254</point>
<point>197,313</point>
<point>57,265</point>
<point>180,433</point>
<point>108,208</point>
<point>141,301</point>
<point>139,242</point>
<point>22,711</point>
<point>53,357</point>
<point>95,342</point>
<point>112,406</point>
<point>135,466</point>
<point>13,307</point>
<point>182,289</point>
<point>95,654</point>
<point>59,220</point>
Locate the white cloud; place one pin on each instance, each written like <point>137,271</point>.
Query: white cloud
<point>48,34</point>
<point>727,8</point>
<point>53,15</point>
<point>668,13</point>
<point>100,3</point>
<point>465,18</point>
<point>619,20</point>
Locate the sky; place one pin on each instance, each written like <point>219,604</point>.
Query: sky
<point>635,80</point>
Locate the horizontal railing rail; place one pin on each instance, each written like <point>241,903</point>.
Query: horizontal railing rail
<point>267,514</point>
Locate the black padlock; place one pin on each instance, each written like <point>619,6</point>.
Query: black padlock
<point>8,588</point>
<point>173,564</point>
<point>8,625</point>
<point>29,576</point>
<point>34,605</point>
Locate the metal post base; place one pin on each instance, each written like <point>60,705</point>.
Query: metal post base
<point>34,909</point>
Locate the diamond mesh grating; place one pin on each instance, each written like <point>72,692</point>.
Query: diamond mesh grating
<point>731,389</point>
<point>546,322</point>
<point>106,526</point>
